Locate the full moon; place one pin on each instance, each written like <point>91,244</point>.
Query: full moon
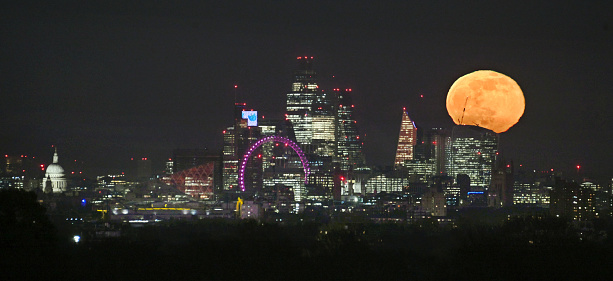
<point>487,99</point>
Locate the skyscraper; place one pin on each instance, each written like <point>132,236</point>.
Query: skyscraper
<point>236,140</point>
<point>406,139</point>
<point>349,146</point>
<point>312,113</point>
<point>300,100</point>
<point>472,151</point>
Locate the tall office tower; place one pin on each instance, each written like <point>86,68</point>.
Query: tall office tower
<point>349,146</point>
<point>472,151</point>
<point>301,99</point>
<point>324,125</point>
<point>236,140</point>
<point>313,116</point>
<point>406,140</point>
<point>431,146</point>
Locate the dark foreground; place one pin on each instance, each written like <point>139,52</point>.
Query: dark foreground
<point>33,247</point>
<point>247,250</point>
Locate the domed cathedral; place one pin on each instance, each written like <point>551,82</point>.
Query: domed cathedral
<point>54,180</point>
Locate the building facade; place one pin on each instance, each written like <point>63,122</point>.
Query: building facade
<point>406,140</point>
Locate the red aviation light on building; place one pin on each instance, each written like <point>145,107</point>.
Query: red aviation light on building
<point>235,86</point>
<point>223,132</point>
<point>259,155</point>
<point>578,167</point>
<point>342,178</point>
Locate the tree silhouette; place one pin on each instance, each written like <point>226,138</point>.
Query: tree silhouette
<point>23,222</point>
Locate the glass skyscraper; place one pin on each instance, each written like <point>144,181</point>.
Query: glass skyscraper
<point>349,146</point>
<point>300,100</point>
<point>472,151</point>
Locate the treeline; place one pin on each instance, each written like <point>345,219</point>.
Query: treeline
<point>531,247</point>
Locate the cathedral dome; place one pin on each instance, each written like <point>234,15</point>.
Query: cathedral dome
<point>54,171</point>
<point>54,180</point>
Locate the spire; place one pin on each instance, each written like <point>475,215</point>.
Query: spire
<point>55,158</point>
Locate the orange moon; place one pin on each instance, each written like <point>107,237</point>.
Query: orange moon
<point>487,99</point>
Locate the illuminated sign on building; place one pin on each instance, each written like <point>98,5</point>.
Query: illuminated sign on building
<point>252,118</point>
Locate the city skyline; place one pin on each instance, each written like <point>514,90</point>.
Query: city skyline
<point>106,85</point>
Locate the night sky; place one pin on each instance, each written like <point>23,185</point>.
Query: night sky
<point>110,80</point>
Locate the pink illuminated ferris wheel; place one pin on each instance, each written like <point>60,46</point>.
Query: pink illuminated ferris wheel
<point>257,144</point>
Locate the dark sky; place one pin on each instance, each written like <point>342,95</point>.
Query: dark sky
<point>110,80</point>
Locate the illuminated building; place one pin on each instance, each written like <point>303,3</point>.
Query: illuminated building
<point>569,199</point>
<point>301,99</point>
<point>530,195</point>
<point>197,172</point>
<point>431,146</point>
<point>349,146</point>
<point>54,180</point>
<point>312,113</point>
<point>472,151</point>
<point>13,173</point>
<point>406,140</point>
<point>384,183</point>
<point>197,182</point>
<point>236,139</point>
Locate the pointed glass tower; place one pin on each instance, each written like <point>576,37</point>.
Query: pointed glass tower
<point>406,140</point>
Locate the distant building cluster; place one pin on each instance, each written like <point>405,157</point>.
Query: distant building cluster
<point>435,172</point>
